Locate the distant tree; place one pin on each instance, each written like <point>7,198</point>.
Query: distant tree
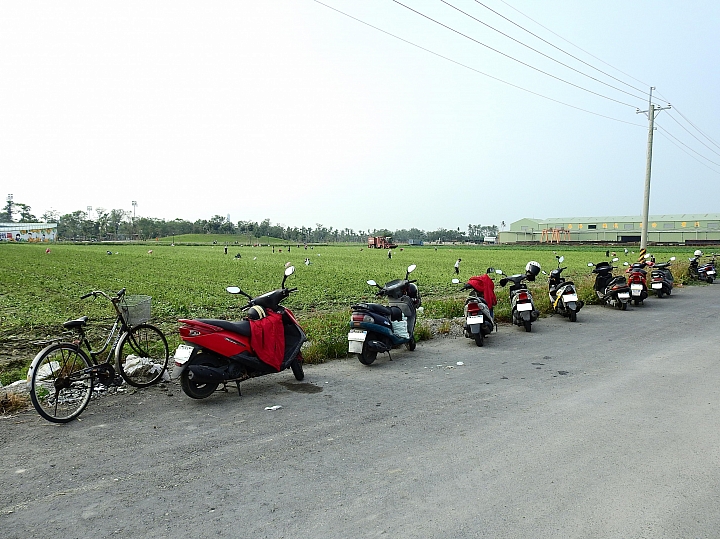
<point>50,216</point>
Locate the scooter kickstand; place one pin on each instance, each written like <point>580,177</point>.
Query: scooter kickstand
<point>389,355</point>
<point>237,383</point>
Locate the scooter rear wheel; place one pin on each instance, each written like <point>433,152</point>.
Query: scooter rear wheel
<point>710,280</point>
<point>572,316</point>
<point>411,344</point>
<point>479,339</point>
<point>528,326</point>
<point>198,390</point>
<point>367,356</point>
<point>659,294</point>
<point>623,306</point>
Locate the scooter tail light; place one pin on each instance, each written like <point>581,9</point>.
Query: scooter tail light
<point>522,296</point>
<point>362,318</point>
<point>473,309</point>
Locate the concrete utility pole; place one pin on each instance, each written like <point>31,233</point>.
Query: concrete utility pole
<point>650,113</point>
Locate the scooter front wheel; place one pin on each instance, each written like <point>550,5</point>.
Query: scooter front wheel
<point>367,356</point>
<point>297,369</point>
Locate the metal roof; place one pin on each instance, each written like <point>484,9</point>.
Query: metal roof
<point>631,218</point>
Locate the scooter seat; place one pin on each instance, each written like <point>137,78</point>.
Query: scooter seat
<point>374,308</point>
<point>241,328</point>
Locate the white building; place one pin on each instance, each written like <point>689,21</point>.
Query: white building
<point>28,232</point>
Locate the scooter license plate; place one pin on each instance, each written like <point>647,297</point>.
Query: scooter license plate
<point>471,320</point>
<point>182,354</point>
<point>711,272</point>
<point>570,297</point>
<point>355,341</point>
<point>524,307</point>
<point>657,286</point>
<point>636,292</point>
<point>623,295</point>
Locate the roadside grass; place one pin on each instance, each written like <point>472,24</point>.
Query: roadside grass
<point>11,402</point>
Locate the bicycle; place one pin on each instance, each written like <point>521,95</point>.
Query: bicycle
<point>62,375</point>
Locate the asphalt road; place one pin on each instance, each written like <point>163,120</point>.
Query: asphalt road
<point>607,427</point>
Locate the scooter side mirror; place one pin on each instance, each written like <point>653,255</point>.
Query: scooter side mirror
<point>490,270</point>
<point>672,259</point>
<point>625,264</point>
<point>411,268</point>
<point>543,272</point>
<point>561,259</point>
<point>371,283</point>
<point>503,281</point>
<point>233,289</point>
<point>616,258</point>
<point>289,271</point>
<point>499,272</point>
<point>456,281</point>
<point>590,264</point>
<point>647,255</point>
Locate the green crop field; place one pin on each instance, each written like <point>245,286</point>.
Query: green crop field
<point>39,290</point>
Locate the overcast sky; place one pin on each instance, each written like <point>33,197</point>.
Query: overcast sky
<point>289,110</point>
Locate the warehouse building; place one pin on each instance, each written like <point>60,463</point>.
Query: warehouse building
<point>682,228</point>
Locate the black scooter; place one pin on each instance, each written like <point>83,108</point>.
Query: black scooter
<point>563,295</point>
<point>376,328</point>
<point>611,290</point>
<point>661,278</point>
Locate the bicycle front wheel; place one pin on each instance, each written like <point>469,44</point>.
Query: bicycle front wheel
<point>61,383</point>
<point>142,355</point>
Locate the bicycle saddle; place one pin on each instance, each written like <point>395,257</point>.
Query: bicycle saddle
<point>80,322</point>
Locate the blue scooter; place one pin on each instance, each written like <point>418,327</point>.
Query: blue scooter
<point>376,328</point>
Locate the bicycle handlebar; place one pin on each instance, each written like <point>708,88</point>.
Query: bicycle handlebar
<point>96,293</point>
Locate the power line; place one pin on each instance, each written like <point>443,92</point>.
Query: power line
<point>512,58</point>
<point>558,48</point>
<point>473,69</point>
<point>573,44</point>
<point>540,52</point>
<point>691,155</point>
<point>692,135</point>
<point>696,127</point>
<point>688,147</point>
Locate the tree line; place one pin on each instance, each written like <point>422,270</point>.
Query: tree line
<point>101,224</point>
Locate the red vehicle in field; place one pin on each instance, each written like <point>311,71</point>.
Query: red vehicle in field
<point>380,242</point>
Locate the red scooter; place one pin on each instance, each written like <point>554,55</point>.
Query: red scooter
<point>220,351</point>
<point>637,279</point>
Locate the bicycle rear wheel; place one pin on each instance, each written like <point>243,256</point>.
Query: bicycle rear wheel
<point>61,383</point>
<point>142,355</point>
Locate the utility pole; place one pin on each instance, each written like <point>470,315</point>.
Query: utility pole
<point>651,113</point>
<point>134,205</point>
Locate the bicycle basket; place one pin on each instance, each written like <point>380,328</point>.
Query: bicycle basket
<point>135,309</point>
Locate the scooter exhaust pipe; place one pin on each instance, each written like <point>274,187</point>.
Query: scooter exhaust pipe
<point>205,374</point>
